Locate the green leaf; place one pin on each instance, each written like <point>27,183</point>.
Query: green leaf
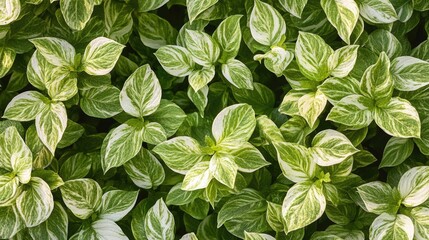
<point>121,144</point>
<point>296,130</point>
<point>9,217</point>
<point>409,74</point>
<point>116,204</point>
<point>62,89</point>
<point>377,11</point>
<point>343,60</point>
<point>294,7</point>
<point>72,133</point>
<point>247,157</point>
<point>313,64</point>
<point>153,133</point>
<point>419,215</point>
<point>399,119</point>
<point>276,60</point>
<point>100,101</point>
<point>238,74</point>
<point>54,227</point>
<point>330,147</point>
<point>304,203</point>
<point>145,170</point>
<point>51,124</point>
<point>268,129</point>
<point>224,169</point>
<point>177,196</point>
<point>379,197</point>
<point>146,6</point>
<point>50,177</point>
<point>159,222</point>
<point>274,216</point>
<point>141,93</point>
<point>102,229</point>
<point>266,24</point>
<point>76,13</point>
<point>228,35</point>
<point>382,40</point>
<point>200,78</point>
<point>180,153</point>
<point>9,188</point>
<point>196,7</point>
<point>203,48</point>
<point>7,57</point>
<point>343,15</point>
<point>169,115</point>
<point>100,56</point>
<point>413,186</point>
<point>354,111</point>
<point>77,166</point>
<point>376,81</point>
<point>11,12</point>
<point>55,50</point>
<point>257,236</point>
<point>82,196</point>
<point>198,177</point>
<point>35,204</point>
<point>289,104</point>
<point>261,98</point>
<point>311,105</point>
<point>175,60</point>
<point>388,226</point>
<point>15,155</point>
<point>295,162</point>
<point>155,31</point>
<point>335,89</point>
<point>199,98</point>
<point>198,208</point>
<point>234,124</point>
<point>40,72</point>
<point>396,151</point>
<point>118,21</point>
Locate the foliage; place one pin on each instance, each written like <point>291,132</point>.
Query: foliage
<point>214,119</point>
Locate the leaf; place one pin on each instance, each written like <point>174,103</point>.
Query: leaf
<point>377,12</point>
<point>330,147</point>
<point>62,89</point>
<point>82,196</point>
<point>198,177</point>
<point>175,60</point>
<point>247,157</point>
<point>145,170</point>
<point>196,7</point>
<point>343,60</point>
<point>102,229</point>
<point>55,50</point>
<point>257,236</point>
<point>9,216</point>
<point>313,64</point>
<point>72,133</point>
<point>276,60</point>
<point>51,124</point>
<point>200,78</point>
<point>26,106</point>
<point>274,216</point>
<point>234,124</point>
<point>199,98</point>
<point>379,197</point>
<point>228,35</point>
<point>296,130</point>
<point>159,222</point>
<point>76,13</point>
<point>335,89</point>
<point>224,169</point>
<point>118,21</point>
<point>116,204</point>
<point>419,215</point>
<point>189,236</point>
<point>197,209</point>
<point>100,56</point>
<point>7,57</point>
<point>169,115</point>
<point>399,119</point>
<point>261,98</point>
<point>396,151</point>
<point>376,81</point>
<point>50,177</point>
<point>304,203</point>
<point>343,15</point>
<point>295,162</point>
<point>388,226</point>
<point>203,48</point>
<point>354,111</point>
<point>11,12</point>
<point>100,101</point>
<point>121,144</point>
<point>238,74</point>
<point>77,166</point>
<point>146,6</point>
<point>9,187</point>
<point>177,196</point>
<point>54,227</point>
<point>311,105</point>
<point>15,156</point>
<point>294,7</point>
<point>408,73</point>
<point>266,24</point>
<point>155,31</point>
<point>36,203</point>
<point>413,186</point>
<point>382,40</point>
<point>180,153</point>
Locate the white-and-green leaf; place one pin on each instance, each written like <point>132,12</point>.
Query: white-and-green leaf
<point>159,222</point>
<point>343,15</point>
<point>396,151</point>
<point>378,197</point>
<point>414,186</point>
<point>354,111</point>
<point>116,204</point>
<point>100,56</point>
<point>203,48</point>
<point>266,24</point>
<point>145,170</point>
<point>175,60</point>
<point>392,227</point>
<point>409,73</point>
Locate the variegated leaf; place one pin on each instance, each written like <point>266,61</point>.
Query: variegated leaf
<point>413,186</point>
<point>175,60</point>
<point>228,35</point>
<point>200,78</point>
<point>377,11</point>
<point>7,57</point>
<point>343,15</point>
<point>145,170</point>
<point>203,48</point>
<point>159,222</point>
<point>311,105</point>
<point>238,74</point>
<point>354,111</point>
<point>155,31</point>
<point>56,51</point>
<point>343,60</point>
<point>100,56</point>
<point>9,12</point>
<point>77,13</point>
<point>198,177</point>
<point>266,24</point>
<point>391,227</point>
<point>196,7</point>
<point>396,151</point>
<point>116,204</point>
<point>409,74</point>
<point>26,106</point>
<point>378,197</point>
<point>294,7</point>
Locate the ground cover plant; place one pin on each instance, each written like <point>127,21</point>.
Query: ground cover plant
<point>214,119</point>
